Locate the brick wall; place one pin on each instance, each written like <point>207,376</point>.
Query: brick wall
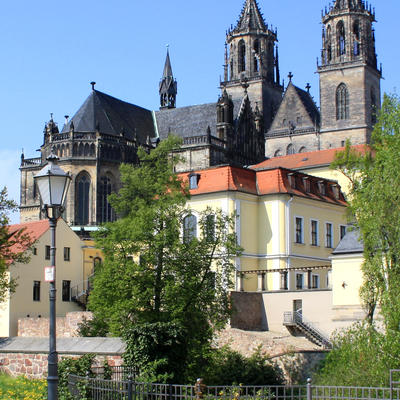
<point>34,366</point>
<point>66,326</point>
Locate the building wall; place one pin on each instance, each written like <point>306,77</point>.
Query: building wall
<point>21,303</point>
<point>347,279</point>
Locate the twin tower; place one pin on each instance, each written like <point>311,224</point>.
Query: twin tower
<point>291,121</point>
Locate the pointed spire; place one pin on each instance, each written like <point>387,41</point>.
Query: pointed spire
<point>167,67</point>
<point>250,18</point>
<point>168,86</point>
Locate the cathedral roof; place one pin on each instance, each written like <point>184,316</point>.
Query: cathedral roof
<point>106,114</point>
<point>250,18</point>
<point>187,121</point>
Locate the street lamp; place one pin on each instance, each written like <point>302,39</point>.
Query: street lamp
<point>53,184</point>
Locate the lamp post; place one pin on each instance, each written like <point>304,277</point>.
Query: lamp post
<point>53,184</point>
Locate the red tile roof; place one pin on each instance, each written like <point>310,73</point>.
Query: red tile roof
<point>34,229</point>
<point>264,182</point>
<point>305,160</point>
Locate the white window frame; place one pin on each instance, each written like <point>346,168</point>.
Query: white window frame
<point>194,213</point>
<point>302,280</point>
<point>311,236</point>
<point>318,281</point>
<point>295,229</point>
<point>332,235</point>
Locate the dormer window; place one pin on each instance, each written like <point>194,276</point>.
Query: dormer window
<point>193,181</point>
<point>306,183</point>
<point>292,180</point>
<point>336,191</point>
<point>322,188</point>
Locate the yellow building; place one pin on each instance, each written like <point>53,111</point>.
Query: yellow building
<point>31,297</point>
<point>288,223</point>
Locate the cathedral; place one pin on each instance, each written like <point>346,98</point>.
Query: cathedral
<point>254,118</point>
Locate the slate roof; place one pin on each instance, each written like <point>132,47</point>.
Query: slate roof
<point>250,18</point>
<point>78,345</point>
<point>351,243</point>
<point>187,121</point>
<point>304,160</point>
<point>112,116</point>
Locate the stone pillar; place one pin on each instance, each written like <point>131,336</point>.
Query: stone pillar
<point>260,282</point>
<point>239,281</point>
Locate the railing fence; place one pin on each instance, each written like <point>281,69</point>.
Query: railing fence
<point>121,385</point>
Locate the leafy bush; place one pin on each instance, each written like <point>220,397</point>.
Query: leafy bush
<point>229,367</point>
<point>361,356</point>
<point>81,366</point>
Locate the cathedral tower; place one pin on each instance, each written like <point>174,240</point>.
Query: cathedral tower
<point>168,86</point>
<point>251,62</point>
<point>349,78</point>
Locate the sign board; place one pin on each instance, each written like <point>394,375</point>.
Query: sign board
<point>49,274</point>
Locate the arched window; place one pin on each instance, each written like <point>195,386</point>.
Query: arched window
<point>356,34</point>
<point>105,212</point>
<point>75,150</point>
<point>342,102</point>
<point>256,48</point>
<point>189,228</point>
<point>374,111</point>
<point>87,149</point>
<point>80,151</point>
<point>341,38</point>
<point>302,149</point>
<point>92,150</point>
<point>329,43</point>
<point>242,56</point>
<point>82,190</point>
<point>278,153</point>
<point>290,149</point>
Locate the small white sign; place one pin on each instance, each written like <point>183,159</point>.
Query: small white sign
<point>49,273</point>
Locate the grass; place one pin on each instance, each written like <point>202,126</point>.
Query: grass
<point>22,388</point>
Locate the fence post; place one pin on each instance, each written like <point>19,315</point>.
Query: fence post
<point>170,391</point>
<point>199,389</point>
<point>130,387</point>
<point>309,391</point>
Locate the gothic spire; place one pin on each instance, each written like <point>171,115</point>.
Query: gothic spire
<point>168,86</point>
<point>250,18</point>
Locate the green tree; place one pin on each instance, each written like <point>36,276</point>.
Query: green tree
<point>13,244</point>
<point>161,267</point>
<point>369,350</point>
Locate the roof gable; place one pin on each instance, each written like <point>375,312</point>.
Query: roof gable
<point>296,111</point>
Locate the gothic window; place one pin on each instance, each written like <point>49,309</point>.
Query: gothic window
<point>356,33</point>
<point>256,48</point>
<point>67,150</point>
<point>82,190</point>
<point>341,37</point>
<point>106,213</point>
<point>80,151</point>
<point>329,43</point>
<point>278,153</point>
<point>75,150</point>
<point>87,149</point>
<point>290,149</point>
<point>92,150</point>
<point>302,149</point>
<point>189,228</point>
<point>242,56</point>
<point>373,107</point>
<point>342,102</point>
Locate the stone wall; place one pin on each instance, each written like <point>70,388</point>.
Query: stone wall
<point>248,311</point>
<point>34,366</point>
<point>39,327</point>
<point>28,356</point>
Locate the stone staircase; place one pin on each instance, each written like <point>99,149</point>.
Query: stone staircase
<point>294,321</point>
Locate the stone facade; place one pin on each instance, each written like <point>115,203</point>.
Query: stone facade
<point>66,326</point>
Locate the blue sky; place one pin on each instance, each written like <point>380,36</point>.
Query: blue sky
<point>51,50</point>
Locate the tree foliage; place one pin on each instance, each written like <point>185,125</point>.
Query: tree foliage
<point>156,272</point>
<point>364,353</point>
<point>13,245</point>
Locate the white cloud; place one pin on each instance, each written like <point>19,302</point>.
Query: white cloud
<point>10,160</point>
